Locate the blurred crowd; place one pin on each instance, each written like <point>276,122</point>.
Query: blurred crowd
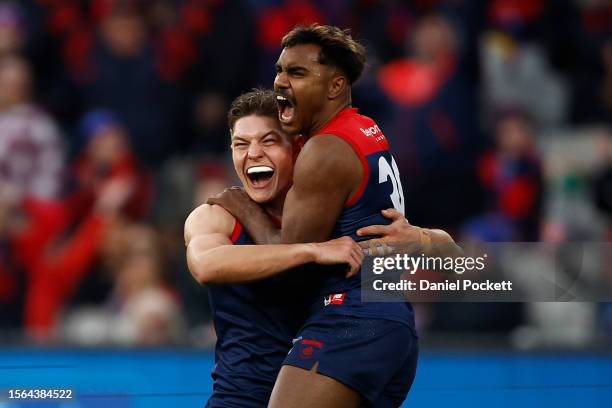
<point>112,127</point>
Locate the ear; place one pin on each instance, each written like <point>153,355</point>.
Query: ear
<point>337,85</point>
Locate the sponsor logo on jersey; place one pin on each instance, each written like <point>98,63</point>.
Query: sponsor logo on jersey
<point>334,299</point>
<point>371,131</point>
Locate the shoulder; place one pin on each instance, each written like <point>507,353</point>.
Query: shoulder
<point>326,152</point>
<point>208,219</point>
<point>326,149</point>
<point>327,159</point>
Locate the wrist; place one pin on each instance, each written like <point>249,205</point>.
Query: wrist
<point>307,252</point>
<point>439,236</point>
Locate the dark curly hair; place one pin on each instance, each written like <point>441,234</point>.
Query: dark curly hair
<point>338,48</point>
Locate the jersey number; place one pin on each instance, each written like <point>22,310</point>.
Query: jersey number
<point>385,172</point>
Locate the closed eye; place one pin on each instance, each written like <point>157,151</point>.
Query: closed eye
<point>239,145</point>
<point>296,72</point>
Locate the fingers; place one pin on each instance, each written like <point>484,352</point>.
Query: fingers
<point>212,201</point>
<point>226,196</point>
<point>354,268</point>
<point>357,249</point>
<point>394,215</point>
<point>377,247</point>
<point>372,247</point>
<point>356,260</point>
<point>374,230</point>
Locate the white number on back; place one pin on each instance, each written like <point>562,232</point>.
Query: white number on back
<point>386,172</point>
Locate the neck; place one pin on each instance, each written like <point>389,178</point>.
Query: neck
<point>329,112</point>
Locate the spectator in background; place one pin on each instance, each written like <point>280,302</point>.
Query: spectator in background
<point>273,22</point>
<point>212,178</point>
<point>59,248</point>
<point>593,89</point>
<point>515,64</point>
<point>106,157</point>
<point>225,66</point>
<point>31,166</point>
<point>149,312</point>
<point>123,77</point>
<point>511,175</point>
<point>61,241</point>
<point>31,152</point>
<point>141,308</point>
<point>579,42</point>
<point>433,128</point>
<point>12,37</point>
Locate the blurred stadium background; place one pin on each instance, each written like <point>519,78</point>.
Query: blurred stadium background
<point>112,127</point>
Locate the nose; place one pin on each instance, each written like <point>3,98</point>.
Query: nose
<point>255,150</point>
<point>281,81</point>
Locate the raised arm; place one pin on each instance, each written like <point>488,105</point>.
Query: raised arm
<point>327,172</point>
<point>213,259</point>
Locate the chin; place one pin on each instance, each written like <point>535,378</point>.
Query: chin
<point>290,128</point>
<point>260,197</point>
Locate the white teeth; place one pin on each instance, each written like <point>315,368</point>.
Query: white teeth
<point>280,98</point>
<point>259,169</point>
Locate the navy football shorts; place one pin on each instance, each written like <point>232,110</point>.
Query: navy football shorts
<point>238,401</point>
<point>375,357</point>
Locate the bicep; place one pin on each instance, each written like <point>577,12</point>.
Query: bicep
<point>310,217</point>
<point>208,219</point>
<point>206,242</point>
<point>326,173</point>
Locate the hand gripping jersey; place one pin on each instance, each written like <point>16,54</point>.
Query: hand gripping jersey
<point>254,323</point>
<point>380,188</point>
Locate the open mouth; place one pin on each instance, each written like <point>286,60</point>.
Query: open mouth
<point>260,176</point>
<point>286,108</point>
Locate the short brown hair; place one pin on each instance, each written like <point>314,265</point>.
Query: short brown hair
<point>338,48</point>
<point>260,102</point>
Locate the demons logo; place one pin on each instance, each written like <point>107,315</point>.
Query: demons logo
<point>309,348</point>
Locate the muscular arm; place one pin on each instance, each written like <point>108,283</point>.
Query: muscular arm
<point>213,259</point>
<point>327,172</point>
<point>402,237</point>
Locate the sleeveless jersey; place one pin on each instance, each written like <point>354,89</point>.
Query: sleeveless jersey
<point>380,188</point>
<point>254,323</point>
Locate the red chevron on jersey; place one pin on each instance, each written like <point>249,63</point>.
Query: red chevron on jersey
<point>363,135</point>
<point>361,132</point>
<point>236,232</point>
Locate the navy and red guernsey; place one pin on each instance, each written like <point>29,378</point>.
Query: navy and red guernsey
<point>254,323</point>
<point>380,189</point>
<point>371,347</point>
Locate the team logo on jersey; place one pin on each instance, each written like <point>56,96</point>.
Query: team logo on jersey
<point>309,348</point>
<point>334,299</point>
